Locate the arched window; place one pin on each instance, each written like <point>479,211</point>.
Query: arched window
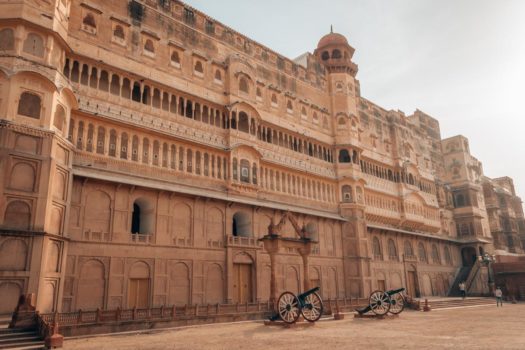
<point>148,46</point>
<point>34,45</point>
<point>7,39</point>
<point>29,105</point>
<point>303,113</point>
<point>409,251</point>
<point>325,55</point>
<point>218,75</point>
<point>346,193</point>
<point>143,217</point>
<point>376,248</point>
<point>118,32</point>
<point>344,156</point>
<point>244,122</point>
<point>241,225</point>
<point>392,250</point>
<point>274,100</point>
<point>422,252</point>
<point>189,160</point>
<point>198,67</point>
<point>289,106</point>
<point>325,123</point>
<point>59,121</point>
<point>315,118</point>
<point>243,85</point>
<point>89,20</point>
<point>101,138</point>
<point>175,58</point>
<point>112,143</point>
<point>336,54</point>
<point>245,171</point>
<point>435,255</point>
<point>258,93</point>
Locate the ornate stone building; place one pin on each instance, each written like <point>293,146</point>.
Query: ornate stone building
<point>145,148</point>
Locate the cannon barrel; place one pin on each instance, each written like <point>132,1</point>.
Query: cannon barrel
<point>395,291</point>
<point>303,295</point>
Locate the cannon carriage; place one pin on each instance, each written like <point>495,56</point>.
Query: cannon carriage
<point>381,302</point>
<point>290,306</point>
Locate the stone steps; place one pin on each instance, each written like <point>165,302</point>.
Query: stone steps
<point>456,303</point>
<point>20,339</point>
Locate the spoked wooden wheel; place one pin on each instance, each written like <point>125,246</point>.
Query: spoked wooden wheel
<point>312,307</point>
<point>379,302</point>
<point>397,303</point>
<point>288,307</point>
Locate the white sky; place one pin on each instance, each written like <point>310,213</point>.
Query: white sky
<point>460,61</point>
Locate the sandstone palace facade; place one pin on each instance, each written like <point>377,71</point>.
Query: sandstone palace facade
<point>146,150</point>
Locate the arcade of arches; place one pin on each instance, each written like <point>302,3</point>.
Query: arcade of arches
<point>147,173</point>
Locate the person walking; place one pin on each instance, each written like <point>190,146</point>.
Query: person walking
<point>499,297</point>
<point>462,289</point>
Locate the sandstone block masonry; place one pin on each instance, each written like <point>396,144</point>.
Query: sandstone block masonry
<point>145,148</point>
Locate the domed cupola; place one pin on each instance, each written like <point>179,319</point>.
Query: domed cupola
<point>334,52</point>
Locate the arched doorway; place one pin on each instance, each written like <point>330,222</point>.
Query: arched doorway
<point>468,255</point>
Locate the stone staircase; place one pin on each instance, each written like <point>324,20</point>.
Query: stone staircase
<point>446,303</point>
<point>21,339</point>
<point>462,275</point>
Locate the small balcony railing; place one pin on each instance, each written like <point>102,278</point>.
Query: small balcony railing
<point>244,241</point>
<point>141,238</point>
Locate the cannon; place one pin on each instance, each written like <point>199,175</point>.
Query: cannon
<point>291,306</point>
<point>380,302</point>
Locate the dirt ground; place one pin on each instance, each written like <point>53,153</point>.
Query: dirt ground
<point>466,328</point>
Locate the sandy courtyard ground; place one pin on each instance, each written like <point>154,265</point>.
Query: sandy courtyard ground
<point>465,328</point>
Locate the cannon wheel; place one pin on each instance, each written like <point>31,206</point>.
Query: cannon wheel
<point>288,307</point>
<point>379,302</point>
<point>312,307</point>
<point>397,303</point>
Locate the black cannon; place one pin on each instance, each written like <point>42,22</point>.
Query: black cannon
<point>290,306</point>
<point>380,302</point>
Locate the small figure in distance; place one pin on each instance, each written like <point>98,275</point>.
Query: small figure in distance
<point>462,289</point>
<point>499,297</point>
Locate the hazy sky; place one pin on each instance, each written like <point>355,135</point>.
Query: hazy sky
<point>460,61</point>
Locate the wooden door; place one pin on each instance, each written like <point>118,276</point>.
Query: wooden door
<point>138,293</point>
<point>242,283</point>
<point>412,283</point>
